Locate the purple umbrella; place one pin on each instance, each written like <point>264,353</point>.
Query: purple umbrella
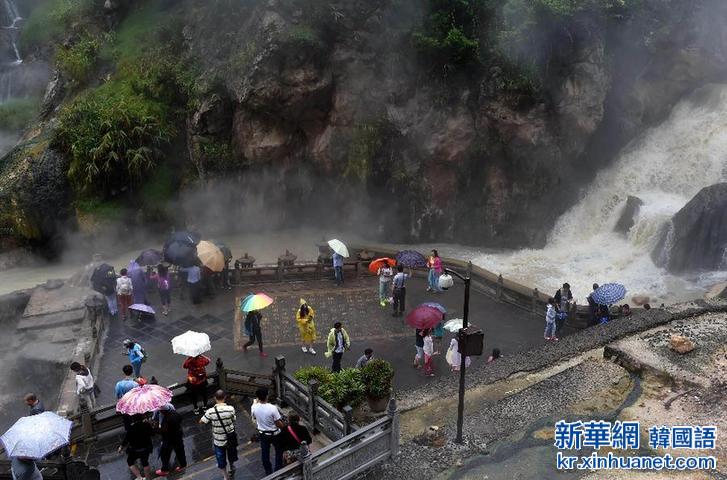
<point>141,308</point>
<point>411,259</point>
<point>148,257</point>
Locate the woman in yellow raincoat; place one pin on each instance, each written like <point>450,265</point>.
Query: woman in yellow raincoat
<point>304,316</point>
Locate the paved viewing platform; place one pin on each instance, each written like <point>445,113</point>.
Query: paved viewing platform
<point>355,304</point>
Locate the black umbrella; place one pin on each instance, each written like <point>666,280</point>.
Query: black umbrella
<point>188,238</point>
<point>181,254</point>
<point>224,249</point>
<point>148,257</point>
<point>103,279</point>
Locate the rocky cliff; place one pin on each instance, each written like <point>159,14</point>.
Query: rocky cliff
<point>333,113</point>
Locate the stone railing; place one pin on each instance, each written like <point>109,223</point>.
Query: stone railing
<point>62,469</point>
<point>349,456</point>
<point>319,414</point>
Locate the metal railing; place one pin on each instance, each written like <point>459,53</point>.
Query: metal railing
<point>349,456</point>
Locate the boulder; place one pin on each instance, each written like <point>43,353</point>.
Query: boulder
<point>697,236</point>
<point>640,300</point>
<point>628,215</point>
<point>681,344</point>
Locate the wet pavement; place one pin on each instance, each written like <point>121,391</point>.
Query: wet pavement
<point>355,305</point>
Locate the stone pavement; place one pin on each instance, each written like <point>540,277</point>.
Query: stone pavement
<point>355,305</point>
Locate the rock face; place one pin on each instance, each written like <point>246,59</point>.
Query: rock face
<point>697,236</point>
<point>628,215</point>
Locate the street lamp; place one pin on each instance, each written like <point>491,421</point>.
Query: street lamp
<point>446,282</point>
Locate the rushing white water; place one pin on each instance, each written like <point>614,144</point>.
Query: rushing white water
<point>665,167</point>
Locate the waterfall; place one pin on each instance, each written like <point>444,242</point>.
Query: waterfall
<point>665,167</point>
<point>9,70</point>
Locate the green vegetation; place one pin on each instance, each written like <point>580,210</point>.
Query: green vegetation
<point>51,18</point>
<point>378,377</point>
<point>339,389</point>
<point>17,113</point>
<point>111,210</point>
<point>320,374</point>
<point>304,36</point>
<point>367,142</point>
<point>136,32</point>
<point>78,60</point>
<point>112,135</point>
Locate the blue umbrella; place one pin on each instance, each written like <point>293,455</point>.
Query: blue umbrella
<point>148,257</point>
<point>37,436</point>
<point>609,293</point>
<point>438,306</point>
<point>411,259</point>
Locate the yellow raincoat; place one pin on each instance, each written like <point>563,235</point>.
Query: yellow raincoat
<point>306,325</point>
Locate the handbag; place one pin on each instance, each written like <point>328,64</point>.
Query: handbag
<point>231,437</point>
<point>290,456</point>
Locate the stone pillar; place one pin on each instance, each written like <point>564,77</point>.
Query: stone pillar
<point>347,420</point>
<point>279,381</point>
<point>312,407</point>
<point>394,416</point>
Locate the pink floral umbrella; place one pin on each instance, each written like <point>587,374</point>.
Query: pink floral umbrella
<point>143,399</point>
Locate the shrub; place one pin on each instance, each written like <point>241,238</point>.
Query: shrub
<point>322,375</point>
<point>50,19</point>
<point>377,377</point>
<point>78,60</point>
<point>345,388</point>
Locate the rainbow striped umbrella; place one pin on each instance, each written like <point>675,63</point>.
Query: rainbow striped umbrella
<point>256,301</point>
<point>143,399</point>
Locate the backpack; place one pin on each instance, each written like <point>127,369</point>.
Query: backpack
<point>125,286</point>
<point>143,352</point>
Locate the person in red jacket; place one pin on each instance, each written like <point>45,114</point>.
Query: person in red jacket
<point>197,381</point>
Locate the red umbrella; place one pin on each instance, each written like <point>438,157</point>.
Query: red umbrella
<point>380,262</point>
<point>424,316</point>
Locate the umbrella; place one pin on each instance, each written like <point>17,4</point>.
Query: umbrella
<point>141,308</point>
<point>380,262</point>
<point>338,247</point>
<point>143,399</point>
<point>37,435</point>
<point>224,249</point>
<point>256,301</point>
<point>438,306</point>
<point>609,293</point>
<point>424,317</point>
<point>187,238</point>
<point>454,325</point>
<point>411,259</point>
<point>191,343</point>
<point>210,256</point>
<point>149,257</point>
<point>103,279</point>
<point>180,253</point>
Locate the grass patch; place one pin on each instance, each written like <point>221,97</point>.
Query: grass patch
<point>78,60</point>
<point>101,209</point>
<point>16,114</point>
<point>50,19</point>
<point>135,32</point>
<point>159,188</point>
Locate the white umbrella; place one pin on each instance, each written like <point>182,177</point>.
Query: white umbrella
<point>191,343</point>
<point>454,325</point>
<point>37,436</point>
<point>338,247</point>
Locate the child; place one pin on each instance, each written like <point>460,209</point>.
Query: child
<point>385,273</point>
<point>550,315</point>
<point>428,353</point>
<point>454,358</point>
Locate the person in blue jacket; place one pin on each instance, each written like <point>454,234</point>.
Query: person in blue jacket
<point>136,356</point>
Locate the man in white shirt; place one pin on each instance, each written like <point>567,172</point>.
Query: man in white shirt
<point>222,417</point>
<point>269,422</point>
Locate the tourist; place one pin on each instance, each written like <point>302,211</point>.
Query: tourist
<point>85,385</point>
<point>338,268</point>
<point>193,279</point>
<point>563,299</point>
<point>126,383</point>
<point>399,285</point>
<point>338,342</point>
<point>23,468</point>
<point>35,406</point>
<point>253,320</point>
<point>550,313</point>
<point>136,356</point>
<point>197,381</point>
<point>365,358</point>
<point>625,310</point>
<point>138,446</point>
<point>292,437</point>
<point>494,356</point>
<point>170,427</point>
<point>164,286</point>
<point>593,306</point>
<point>419,346</point>
<point>307,327</point>
<point>428,349</point>
<point>385,273</point>
<point>269,423</point>
<point>124,291</point>
<point>138,280</point>
<point>454,358</point>
<point>435,270</point>
<point>438,336</point>
<point>224,437</point>
<point>604,316</point>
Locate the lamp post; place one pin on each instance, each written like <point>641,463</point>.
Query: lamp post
<point>445,283</point>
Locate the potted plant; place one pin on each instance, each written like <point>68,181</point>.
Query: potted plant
<point>378,379</point>
<point>344,388</point>
<point>320,374</point>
